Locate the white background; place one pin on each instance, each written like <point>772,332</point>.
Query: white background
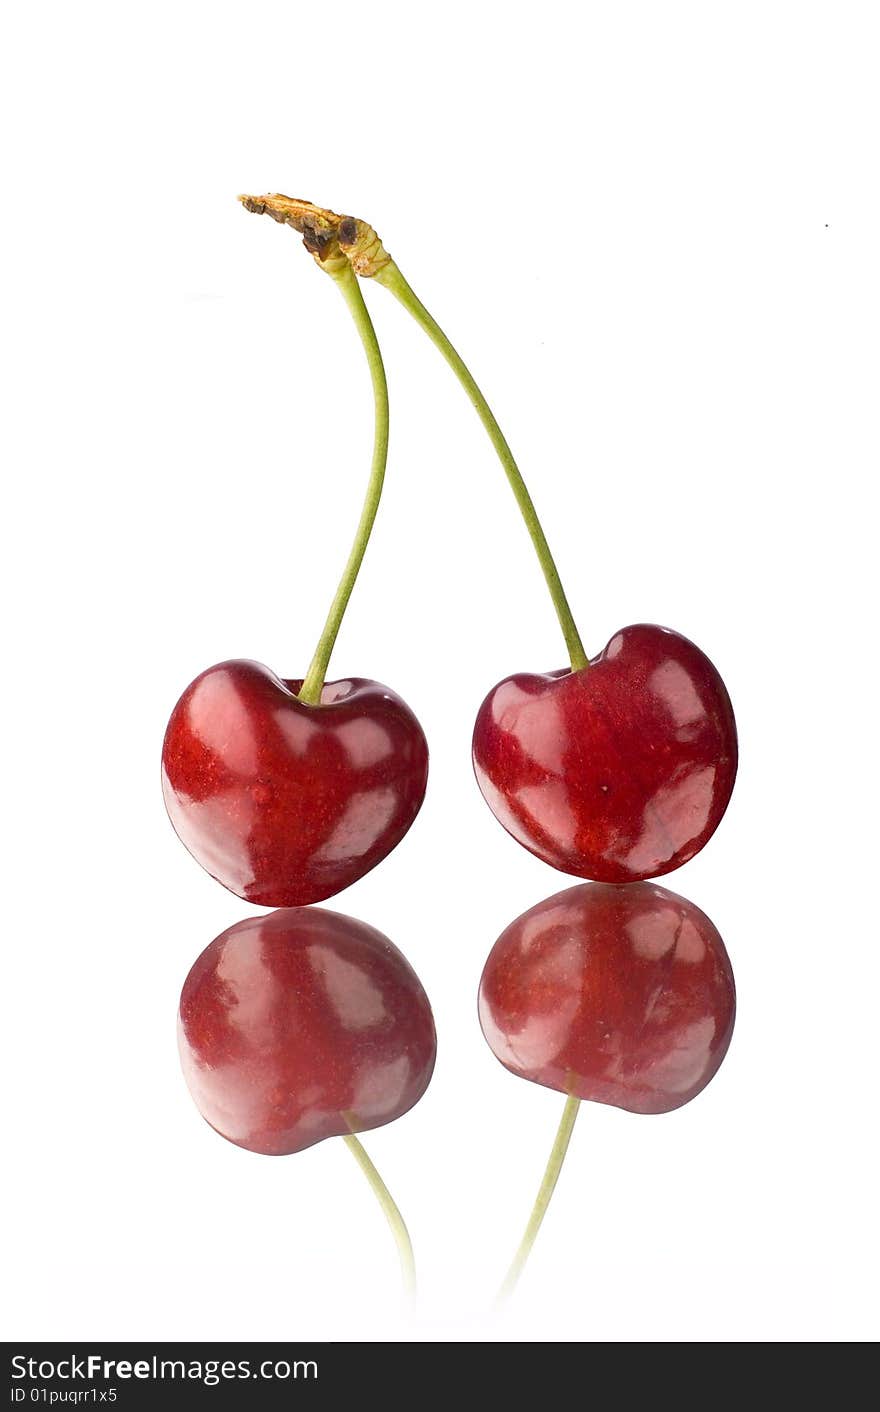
<point>653,231</point>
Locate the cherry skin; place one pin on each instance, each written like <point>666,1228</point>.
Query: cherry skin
<point>621,995</point>
<point>619,772</point>
<point>286,803</point>
<point>303,1025</point>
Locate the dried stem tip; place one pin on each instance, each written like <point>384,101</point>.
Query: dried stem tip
<point>325,234</point>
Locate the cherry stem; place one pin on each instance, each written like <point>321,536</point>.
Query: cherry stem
<point>392,1214</point>
<point>545,1191</point>
<point>390,276</point>
<point>347,282</point>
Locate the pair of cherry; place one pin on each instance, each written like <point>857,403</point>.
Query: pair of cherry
<point>304,1024</point>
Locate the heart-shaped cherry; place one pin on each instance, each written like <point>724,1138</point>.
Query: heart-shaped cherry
<point>287,803</point>
<point>303,1025</point>
<point>621,995</point>
<point>618,772</point>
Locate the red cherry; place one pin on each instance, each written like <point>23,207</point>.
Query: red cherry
<point>618,772</point>
<point>286,803</point>
<point>621,995</point>
<point>302,1025</point>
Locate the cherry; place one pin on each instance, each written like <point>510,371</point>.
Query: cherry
<point>303,1025</point>
<point>287,792</point>
<point>287,803</point>
<point>621,995</point>
<point>617,772</point>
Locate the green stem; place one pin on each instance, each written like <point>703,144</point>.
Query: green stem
<point>347,281</point>
<point>392,279</point>
<point>392,1214</point>
<point>539,1210</point>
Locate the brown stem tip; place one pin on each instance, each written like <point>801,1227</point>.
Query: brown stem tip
<point>326,235</point>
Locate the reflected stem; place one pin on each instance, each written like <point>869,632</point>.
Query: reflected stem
<point>542,1201</point>
<point>392,1215</point>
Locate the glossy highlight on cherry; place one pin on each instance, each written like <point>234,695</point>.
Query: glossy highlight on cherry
<point>286,803</point>
<point>618,772</point>
<point>617,994</point>
<point>303,1025</point>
